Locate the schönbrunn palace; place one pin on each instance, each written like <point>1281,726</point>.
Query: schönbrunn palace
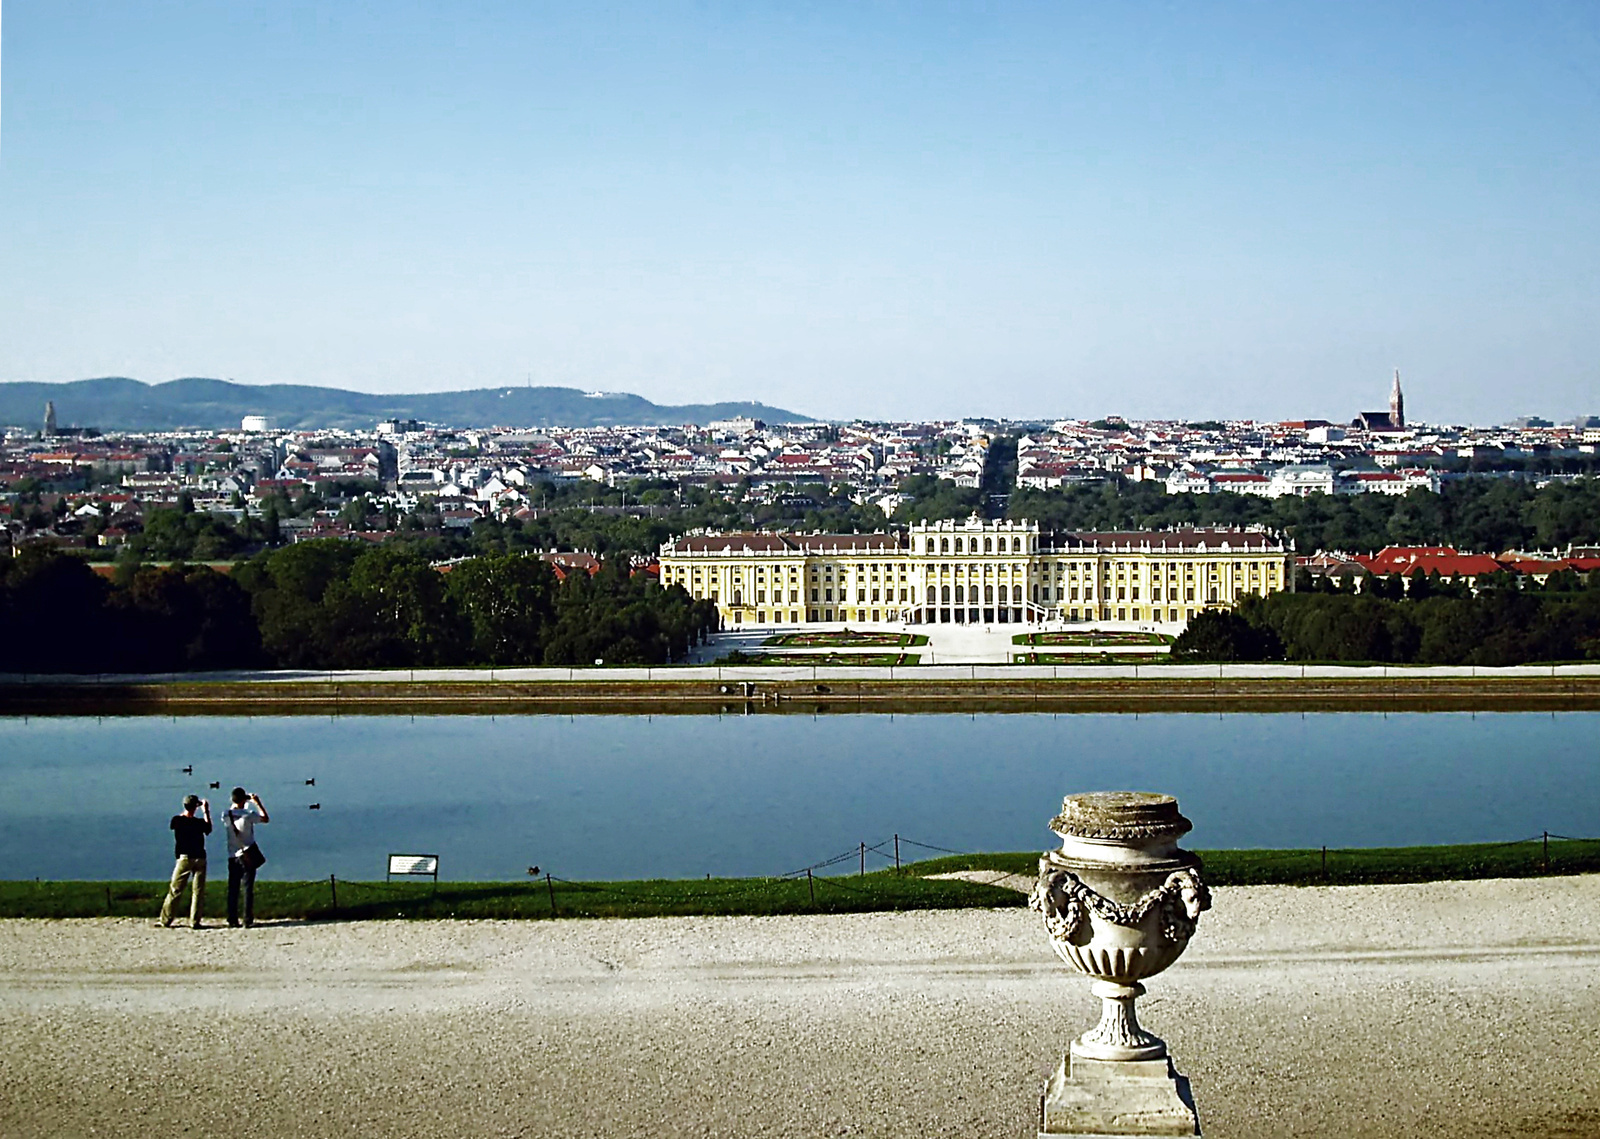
<point>976,571</point>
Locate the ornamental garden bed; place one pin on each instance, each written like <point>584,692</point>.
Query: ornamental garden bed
<point>1091,658</point>
<point>1107,639</point>
<point>827,660</point>
<point>845,639</point>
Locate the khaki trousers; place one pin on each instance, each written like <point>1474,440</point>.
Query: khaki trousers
<point>181,873</point>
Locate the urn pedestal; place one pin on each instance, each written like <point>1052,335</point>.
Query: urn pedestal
<point>1119,902</point>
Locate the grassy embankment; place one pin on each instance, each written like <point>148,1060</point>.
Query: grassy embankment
<point>908,889</point>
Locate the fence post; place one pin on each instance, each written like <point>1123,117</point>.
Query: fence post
<point>1547,852</point>
<point>897,854</point>
<point>811,885</point>
<point>863,859</point>
<point>1324,863</point>
<point>551,886</point>
<point>333,888</point>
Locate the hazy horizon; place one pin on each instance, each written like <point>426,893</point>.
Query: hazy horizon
<point>822,415</point>
<point>887,211</point>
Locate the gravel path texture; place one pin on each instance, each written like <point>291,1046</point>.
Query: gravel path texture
<point>1453,1009</point>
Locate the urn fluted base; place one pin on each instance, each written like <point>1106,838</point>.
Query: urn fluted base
<point>1102,1099</point>
<point>1118,1035</point>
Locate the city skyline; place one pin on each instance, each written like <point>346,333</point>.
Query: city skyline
<point>880,213</point>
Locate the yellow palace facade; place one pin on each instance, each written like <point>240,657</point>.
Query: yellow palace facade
<point>977,571</point>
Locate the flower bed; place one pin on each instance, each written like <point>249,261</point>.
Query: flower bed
<point>845,639</point>
<point>1097,639</point>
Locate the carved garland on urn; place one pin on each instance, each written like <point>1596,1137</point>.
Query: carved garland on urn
<point>1064,902</point>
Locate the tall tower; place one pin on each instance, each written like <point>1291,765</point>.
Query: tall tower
<point>49,418</point>
<point>1397,403</point>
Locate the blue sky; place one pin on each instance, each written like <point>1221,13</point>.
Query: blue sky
<point>889,210</point>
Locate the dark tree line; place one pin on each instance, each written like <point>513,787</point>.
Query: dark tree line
<point>1427,623</point>
<point>335,604</point>
<point>1481,514</point>
<point>1484,514</point>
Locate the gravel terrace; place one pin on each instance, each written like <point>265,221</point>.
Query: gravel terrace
<point>1459,1009</point>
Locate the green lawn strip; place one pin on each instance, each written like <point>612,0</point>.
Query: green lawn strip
<point>1346,867</point>
<point>910,889</point>
<point>879,890</point>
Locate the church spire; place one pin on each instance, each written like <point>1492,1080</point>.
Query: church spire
<point>1397,403</point>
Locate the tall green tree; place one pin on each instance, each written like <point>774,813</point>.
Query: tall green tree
<point>507,602</point>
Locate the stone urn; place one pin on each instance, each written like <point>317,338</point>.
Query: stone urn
<point>1119,902</point>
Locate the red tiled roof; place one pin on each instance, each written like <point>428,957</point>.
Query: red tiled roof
<point>1536,565</point>
<point>1445,564</point>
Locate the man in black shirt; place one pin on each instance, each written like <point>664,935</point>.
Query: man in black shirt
<point>189,845</point>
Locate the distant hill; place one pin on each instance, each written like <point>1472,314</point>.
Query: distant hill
<point>117,404</point>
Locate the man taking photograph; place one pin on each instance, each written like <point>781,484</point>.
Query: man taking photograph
<point>189,846</point>
<point>241,820</point>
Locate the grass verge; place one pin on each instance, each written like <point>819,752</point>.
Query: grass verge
<point>879,890</point>
<point>909,889</point>
<point>1349,867</point>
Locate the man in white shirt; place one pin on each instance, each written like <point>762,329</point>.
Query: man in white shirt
<point>240,822</point>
